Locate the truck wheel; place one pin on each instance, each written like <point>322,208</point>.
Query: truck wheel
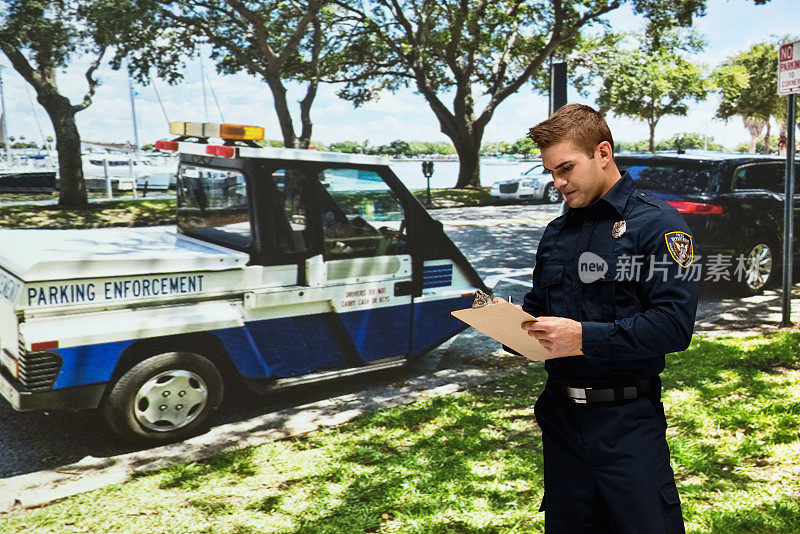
<point>166,397</point>
<point>551,194</point>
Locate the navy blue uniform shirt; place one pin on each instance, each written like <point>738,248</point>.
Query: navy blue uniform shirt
<point>641,307</point>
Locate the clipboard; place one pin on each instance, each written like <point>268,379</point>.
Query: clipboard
<point>502,322</point>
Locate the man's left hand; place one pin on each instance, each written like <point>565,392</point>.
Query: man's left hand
<point>559,335</point>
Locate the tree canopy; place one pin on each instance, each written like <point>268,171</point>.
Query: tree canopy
<point>748,89</point>
<point>653,80</point>
<point>277,40</point>
<point>40,38</point>
<point>474,52</point>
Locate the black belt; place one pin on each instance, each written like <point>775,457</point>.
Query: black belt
<point>627,391</point>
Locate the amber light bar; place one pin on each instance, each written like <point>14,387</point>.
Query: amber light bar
<point>238,132</point>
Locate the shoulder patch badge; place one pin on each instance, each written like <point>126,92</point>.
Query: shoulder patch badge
<point>680,247</point>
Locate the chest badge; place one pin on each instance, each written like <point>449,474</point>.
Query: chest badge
<point>618,229</point>
<point>679,245</point>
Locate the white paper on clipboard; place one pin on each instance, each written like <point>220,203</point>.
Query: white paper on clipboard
<point>503,322</point>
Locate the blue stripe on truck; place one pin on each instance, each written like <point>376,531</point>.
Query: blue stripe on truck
<point>293,346</point>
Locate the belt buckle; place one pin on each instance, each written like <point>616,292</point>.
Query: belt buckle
<point>577,395</point>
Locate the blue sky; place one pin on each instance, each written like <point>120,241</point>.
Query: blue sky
<point>729,26</point>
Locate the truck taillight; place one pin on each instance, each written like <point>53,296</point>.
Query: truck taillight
<point>44,345</point>
<point>695,207</point>
<point>221,151</point>
<point>166,145</point>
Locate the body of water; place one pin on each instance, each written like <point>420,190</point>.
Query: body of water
<point>445,173</point>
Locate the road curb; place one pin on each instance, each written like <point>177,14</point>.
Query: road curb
<point>44,487</point>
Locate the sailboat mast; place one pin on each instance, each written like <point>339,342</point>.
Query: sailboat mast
<point>203,80</point>
<point>133,113</point>
<point>3,123</point>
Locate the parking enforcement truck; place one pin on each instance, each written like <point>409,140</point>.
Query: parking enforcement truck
<point>287,267</point>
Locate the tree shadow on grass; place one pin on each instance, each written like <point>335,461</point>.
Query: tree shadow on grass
<point>445,465</point>
<point>779,517</point>
<point>740,392</point>
<point>238,463</point>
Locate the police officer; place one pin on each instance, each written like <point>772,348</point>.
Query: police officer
<point>610,280</point>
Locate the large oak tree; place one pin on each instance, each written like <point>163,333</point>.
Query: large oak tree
<point>472,50</point>
<point>279,41</point>
<point>39,38</point>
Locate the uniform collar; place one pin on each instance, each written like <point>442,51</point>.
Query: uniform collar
<point>619,193</point>
<point>616,197</point>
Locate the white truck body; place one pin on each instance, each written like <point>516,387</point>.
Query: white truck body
<point>278,303</point>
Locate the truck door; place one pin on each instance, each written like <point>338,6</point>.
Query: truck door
<point>365,260</point>
<point>344,229</point>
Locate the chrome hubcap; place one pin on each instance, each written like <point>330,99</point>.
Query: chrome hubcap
<point>759,267</point>
<point>170,400</point>
<point>553,195</point>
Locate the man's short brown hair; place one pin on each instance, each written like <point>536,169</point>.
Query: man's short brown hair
<point>581,125</point>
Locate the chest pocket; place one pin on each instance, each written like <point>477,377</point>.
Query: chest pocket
<point>552,274</point>
<point>598,298</point>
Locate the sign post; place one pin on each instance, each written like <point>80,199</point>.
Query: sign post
<point>789,84</point>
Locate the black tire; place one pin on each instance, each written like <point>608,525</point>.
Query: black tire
<point>190,385</point>
<point>763,269</point>
<point>552,195</point>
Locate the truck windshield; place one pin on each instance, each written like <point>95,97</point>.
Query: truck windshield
<point>361,216</point>
<point>212,205</point>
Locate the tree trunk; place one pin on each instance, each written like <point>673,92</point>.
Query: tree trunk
<point>469,168</point>
<point>282,110</point>
<point>754,127</point>
<point>652,143</point>
<point>766,139</point>
<point>753,144</point>
<point>72,188</point>
<point>782,141</point>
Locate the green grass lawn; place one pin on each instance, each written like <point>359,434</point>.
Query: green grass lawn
<point>149,212</point>
<point>471,462</point>
<point>453,198</point>
<point>140,212</point>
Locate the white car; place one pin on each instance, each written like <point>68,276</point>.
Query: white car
<point>533,184</point>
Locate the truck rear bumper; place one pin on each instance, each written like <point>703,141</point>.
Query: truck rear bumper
<point>73,398</point>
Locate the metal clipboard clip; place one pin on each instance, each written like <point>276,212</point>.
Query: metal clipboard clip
<point>481,299</point>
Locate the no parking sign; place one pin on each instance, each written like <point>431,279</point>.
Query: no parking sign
<point>789,68</point>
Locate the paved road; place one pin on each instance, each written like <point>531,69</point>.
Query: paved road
<point>500,241</point>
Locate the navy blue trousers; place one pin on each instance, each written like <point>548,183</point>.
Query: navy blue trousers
<point>606,467</point>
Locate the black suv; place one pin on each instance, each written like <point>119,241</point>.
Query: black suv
<point>732,202</point>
